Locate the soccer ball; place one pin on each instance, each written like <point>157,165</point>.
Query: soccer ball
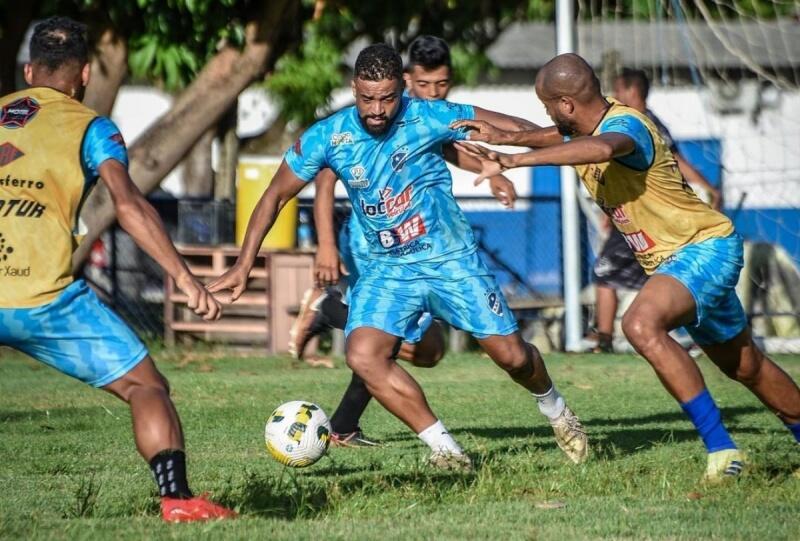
<point>297,433</point>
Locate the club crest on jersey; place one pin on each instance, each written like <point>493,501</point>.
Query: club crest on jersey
<point>18,113</point>
<point>358,181</point>
<point>388,205</point>
<point>399,158</point>
<point>493,300</point>
<point>344,138</point>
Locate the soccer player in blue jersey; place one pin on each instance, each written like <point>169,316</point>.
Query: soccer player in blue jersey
<point>423,257</point>
<point>428,76</point>
<point>55,149</point>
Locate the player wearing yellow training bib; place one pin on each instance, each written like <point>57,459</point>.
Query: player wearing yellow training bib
<point>53,150</point>
<point>690,251</point>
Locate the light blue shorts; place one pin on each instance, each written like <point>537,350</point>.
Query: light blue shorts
<point>393,298</point>
<point>76,334</point>
<point>710,270</point>
<point>355,265</point>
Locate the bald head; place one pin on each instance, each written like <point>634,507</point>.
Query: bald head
<point>570,92</point>
<point>568,75</point>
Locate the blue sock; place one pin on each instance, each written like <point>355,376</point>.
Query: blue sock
<point>795,430</point>
<point>705,416</point>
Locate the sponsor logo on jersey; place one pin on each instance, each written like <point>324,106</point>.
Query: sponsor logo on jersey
<point>398,158</point>
<point>18,113</point>
<point>638,241</point>
<point>298,148</point>
<point>344,138</point>
<point>388,205</point>
<point>9,182</point>
<point>617,215</point>
<point>9,153</point>
<point>412,247</point>
<point>5,249</point>
<point>21,208</point>
<point>411,229</point>
<point>493,300</point>
<point>117,138</point>
<point>358,181</point>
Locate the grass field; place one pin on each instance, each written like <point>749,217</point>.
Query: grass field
<point>69,468</point>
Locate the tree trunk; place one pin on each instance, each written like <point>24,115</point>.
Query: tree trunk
<point>216,88</point>
<point>225,182</point>
<point>13,22</point>
<point>198,176</point>
<point>109,69</point>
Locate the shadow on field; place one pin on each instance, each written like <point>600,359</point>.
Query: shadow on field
<point>292,496</point>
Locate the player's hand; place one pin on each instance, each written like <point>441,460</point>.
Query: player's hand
<point>492,162</point>
<point>235,280</point>
<point>503,190</point>
<point>201,301</point>
<point>482,131</point>
<point>326,266</point>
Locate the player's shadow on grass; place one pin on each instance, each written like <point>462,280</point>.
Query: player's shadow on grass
<point>293,496</point>
<point>728,414</point>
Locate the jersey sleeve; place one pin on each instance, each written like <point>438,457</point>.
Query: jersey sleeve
<point>102,142</point>
<point>445,113</point>
<point>308,155</point>
<point>644,151</point>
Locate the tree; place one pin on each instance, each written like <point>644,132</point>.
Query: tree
<point>196,109</point>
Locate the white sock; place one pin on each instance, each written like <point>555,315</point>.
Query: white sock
<point>439,439</point>
<point>551,403</point>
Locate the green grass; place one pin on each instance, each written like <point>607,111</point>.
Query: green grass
<point>70,470</point>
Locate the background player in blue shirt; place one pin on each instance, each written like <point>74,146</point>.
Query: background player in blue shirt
<point>423,257</point>
<point>428,76</point>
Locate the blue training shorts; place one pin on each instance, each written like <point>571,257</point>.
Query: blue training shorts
<point>710,271</point>
<point>76,334</point>
<point>462,292</point>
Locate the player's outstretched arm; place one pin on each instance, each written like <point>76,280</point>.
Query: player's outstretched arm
<point>326,262</point>
<point>140,220</point>
<point>583,150</point>
<point>283,187</point>
<point>695,177</point>
<point>502,188</point>
<point>499,129</point>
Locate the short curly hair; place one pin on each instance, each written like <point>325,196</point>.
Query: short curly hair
<point>58,41</point>
<point>378,62</point>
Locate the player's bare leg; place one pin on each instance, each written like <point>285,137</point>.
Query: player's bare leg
<point>741,360</point>
<point>370,354</point>
<point>428,351</point>
<point>664,304</point>
<point>606,307</point>
<point>345,421</point>
<point>525,365</point>
<point>159,439</point>
<point>156,425</point>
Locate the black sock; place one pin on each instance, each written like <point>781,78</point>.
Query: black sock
<point>169,470</point>
<point>334,310</point>
<point>354,402</point>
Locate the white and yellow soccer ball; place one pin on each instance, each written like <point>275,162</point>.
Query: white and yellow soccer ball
<point>297,433</point>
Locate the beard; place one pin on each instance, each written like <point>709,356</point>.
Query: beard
<point>566,127</point>
<point>374,129</point>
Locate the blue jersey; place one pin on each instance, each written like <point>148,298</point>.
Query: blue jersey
<point>399,185</point>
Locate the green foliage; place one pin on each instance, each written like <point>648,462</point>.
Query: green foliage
<point>71,471</point>
<point>302,82</point>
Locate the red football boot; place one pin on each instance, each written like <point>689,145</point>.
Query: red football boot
<point>194,509</point>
